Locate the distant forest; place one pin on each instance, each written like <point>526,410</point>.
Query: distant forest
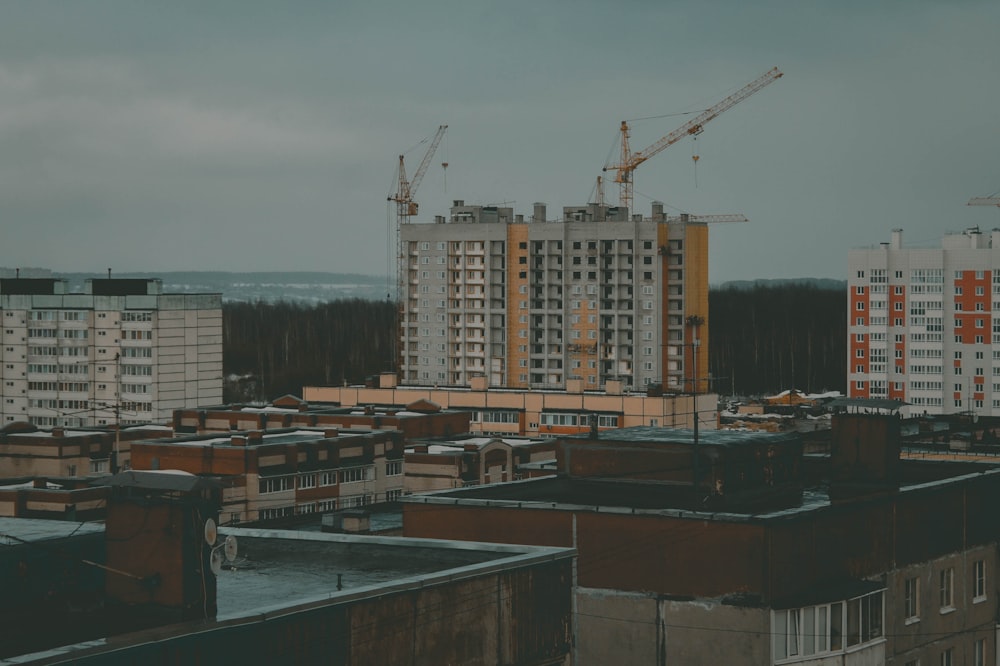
<point>766,339</point>
<point>763,339</point>
<point>271,349</point>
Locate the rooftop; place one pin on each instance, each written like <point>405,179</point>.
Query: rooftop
<point>15,531</point>
<point>661,435</point>
<point>608,495</point>
<point>277,572</point>
<point>266,438</point>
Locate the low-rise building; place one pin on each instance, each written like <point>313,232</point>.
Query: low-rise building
<point>287,471</point>
<point>770,557</point>
<point>470,461</point>
<point>420,418</point>
<point>51,498</point>
<point>499,411</point>
<point>288,597</point>
<point>27,451</point>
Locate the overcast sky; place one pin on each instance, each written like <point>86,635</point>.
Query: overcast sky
<point>251,135</point>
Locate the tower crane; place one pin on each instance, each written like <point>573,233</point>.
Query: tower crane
<point>406,207</point>
<point>629,161</point>
<point>984,201</point>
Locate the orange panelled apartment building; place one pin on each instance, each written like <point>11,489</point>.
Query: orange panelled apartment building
<point>597,296</point>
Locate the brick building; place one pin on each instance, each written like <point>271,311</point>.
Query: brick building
<point>420,418</point>
<point>472,461</point>
<point>772,558</point>
<point>536,413</point>
<point>287,471</point>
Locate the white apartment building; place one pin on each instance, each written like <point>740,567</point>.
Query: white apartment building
<point>923,323</point>
<point>596,296</point>
<point>120,352</point>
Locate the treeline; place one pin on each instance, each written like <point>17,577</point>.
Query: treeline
<point>270,349</point>
<point>766,339</point>
<point>763,339</point>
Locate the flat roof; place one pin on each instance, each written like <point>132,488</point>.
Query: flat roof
<point>664,435</point>
<point>661,498</point>
<point>278,572</point>
<point>16,531</point>
<point>267,438</point>
<point>282,568</point>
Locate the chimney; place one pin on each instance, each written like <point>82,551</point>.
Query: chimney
<point>160,529</point>
<point>539,213</point>
<point>330,433</point>
<point>657,211</point>
<point>897,239</point>
<point>238,440</point>
<point>864,454</point>
<point>58,431</point>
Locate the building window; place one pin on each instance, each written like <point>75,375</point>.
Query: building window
<point>328,478</point>
<point>393,468</point>
<point>307,481</point>
<point>911,600</point>
<point>979,654</point>
<point>979,582</point>
<point>946,585</point>
<point>275,485</point>
<point>355,474</point>
<point>814,630</point>
<point>947,657</point>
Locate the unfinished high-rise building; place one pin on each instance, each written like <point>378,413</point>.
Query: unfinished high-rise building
<point>598,295</point>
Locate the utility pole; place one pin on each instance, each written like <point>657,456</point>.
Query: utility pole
<point>118,405</point>
<point>694,322</point>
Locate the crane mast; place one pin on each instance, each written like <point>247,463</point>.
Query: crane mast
<point>629,161</point>
<point>406,208</point>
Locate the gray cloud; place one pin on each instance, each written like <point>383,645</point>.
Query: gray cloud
<point>250,135</point>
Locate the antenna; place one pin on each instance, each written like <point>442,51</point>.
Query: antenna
<point>211,532</point>
<point>216,561</point>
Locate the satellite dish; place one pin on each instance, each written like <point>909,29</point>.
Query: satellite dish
<point>230,548</point>
<point>211,532</point>
<point>216,562</point>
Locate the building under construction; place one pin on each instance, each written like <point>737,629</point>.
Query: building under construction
<point>598,295</point>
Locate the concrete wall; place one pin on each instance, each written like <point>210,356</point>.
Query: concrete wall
<point>513,616</point>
